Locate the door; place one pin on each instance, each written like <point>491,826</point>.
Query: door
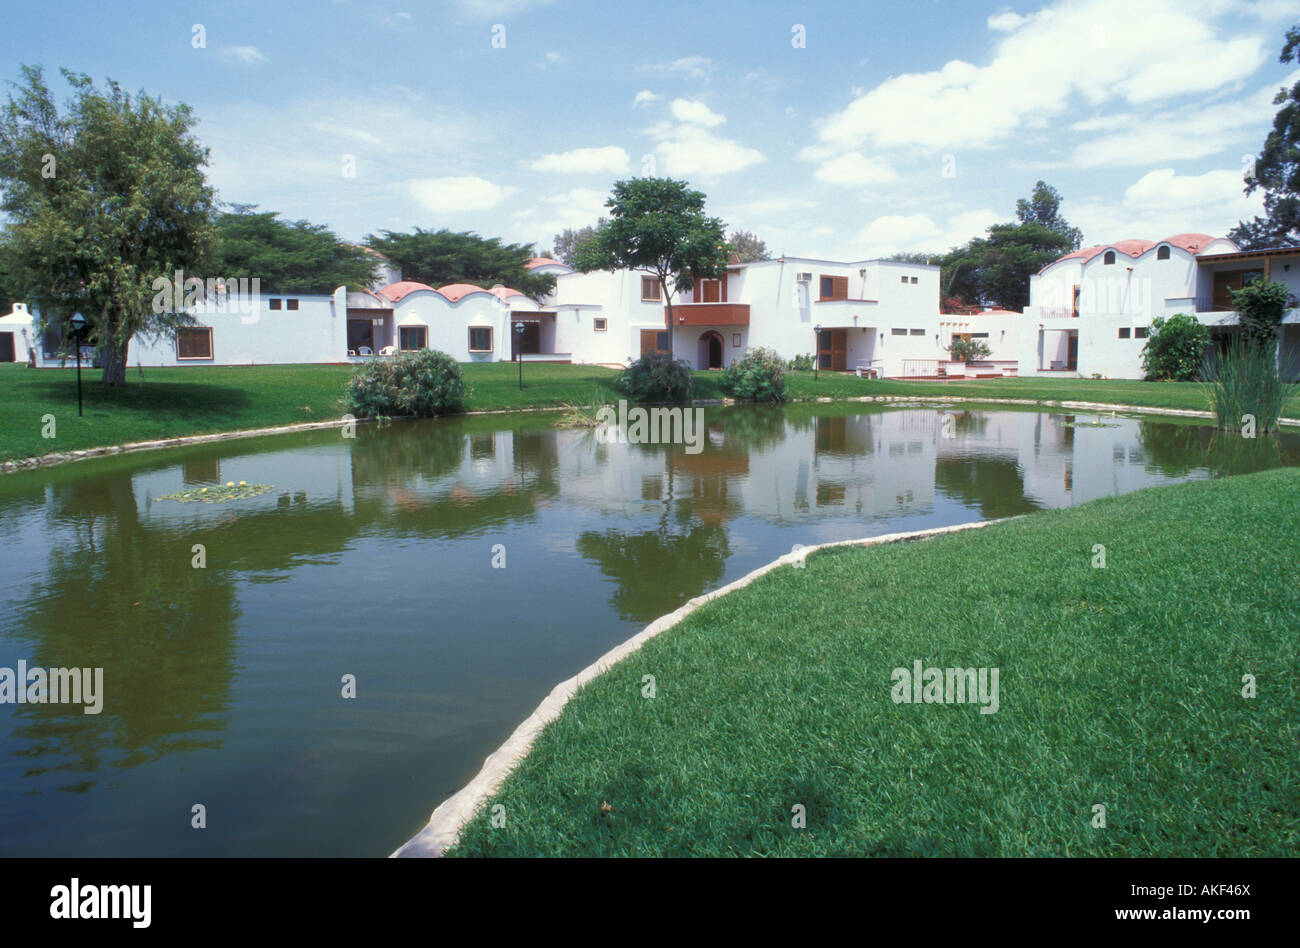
<point>530,340</point>
<point>6,347</point>
<point>715,351</point>
<point>1072,360</point>
<point>833,349</point>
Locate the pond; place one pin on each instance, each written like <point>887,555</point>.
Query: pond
<point>458,569</point>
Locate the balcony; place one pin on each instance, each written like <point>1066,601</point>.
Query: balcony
<point>710,314</point>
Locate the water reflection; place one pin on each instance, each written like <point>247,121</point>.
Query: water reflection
<point>375,555</point>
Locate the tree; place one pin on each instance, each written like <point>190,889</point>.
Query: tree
<point>1043,207</point>
<point>102,201</point>
<point>288,256</point>
<point>1277,170</point>
<point>659,224</point>
<point>568,242</point>
<point>747,247</point>
<point>10,287</point>
<point>443,256</point>
<point>1260,306</point>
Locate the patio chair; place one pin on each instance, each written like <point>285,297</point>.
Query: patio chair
<point>387,351</point>
<point>365,351</point>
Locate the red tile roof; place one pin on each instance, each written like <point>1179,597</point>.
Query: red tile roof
<point>458,291</point>
<point>536,262</point>
<point>503,292</point>
<point>395,291</point>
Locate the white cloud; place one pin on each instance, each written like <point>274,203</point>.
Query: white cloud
<point>644,97</point>
<point>696,113</point>
<point>611,159</point>
<point>244,54</point>
<point>1006,21</point>
<point>1192,132</point>
<point>547,216</point>
<point>693,67</point>
<point>457,194</point>
<point>1095,50</point>
<point>854,170</point>
<point>691,150</point>
<point>482,8</point>
<point>1162,202</point>
<point>898,233</point>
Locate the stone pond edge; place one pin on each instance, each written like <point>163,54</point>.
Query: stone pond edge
<point>444,826</point>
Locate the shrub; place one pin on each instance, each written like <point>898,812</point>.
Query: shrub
<point>1175,348</point>
<point>656,377</point>
<point>969,350</point>
<point>1260,306</point>
<point>802,363</point>
<point>757,376</point>
<point>1244,380</point>
<point>422,383</point>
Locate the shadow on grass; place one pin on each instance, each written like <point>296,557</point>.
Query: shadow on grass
<point>160,400</point>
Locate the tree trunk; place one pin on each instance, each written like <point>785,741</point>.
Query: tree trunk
<point>115,363</point>
<point>668,316</point>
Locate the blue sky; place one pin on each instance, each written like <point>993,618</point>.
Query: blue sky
<point>895,126</point>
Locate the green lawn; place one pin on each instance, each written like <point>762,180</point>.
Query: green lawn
<point>1118,686</point>
<point>171,402</point>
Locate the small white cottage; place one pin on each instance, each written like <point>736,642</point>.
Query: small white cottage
<point>17,335</point>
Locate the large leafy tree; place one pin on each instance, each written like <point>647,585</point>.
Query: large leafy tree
<point>567,243</point>
<point>1277,170</point>
<point>103,199</point>
<point>11,290</point>
<point>1043,207</point>
<point>288,256</point>
<point>747,247</point>
<point>439,257</point>
<point>658,224</point>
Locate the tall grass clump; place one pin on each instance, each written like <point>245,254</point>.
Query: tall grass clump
<point>1245,382</point>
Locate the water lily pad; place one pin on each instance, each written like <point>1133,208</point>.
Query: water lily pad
<point>218,493</point>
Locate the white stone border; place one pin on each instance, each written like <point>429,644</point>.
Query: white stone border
<point>445,824</point>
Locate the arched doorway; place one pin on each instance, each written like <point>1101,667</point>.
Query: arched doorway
<point>710,350</point>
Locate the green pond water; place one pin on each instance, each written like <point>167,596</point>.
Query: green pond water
<point>373,557</point>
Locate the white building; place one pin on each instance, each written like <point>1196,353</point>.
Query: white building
<point>1090,311</point>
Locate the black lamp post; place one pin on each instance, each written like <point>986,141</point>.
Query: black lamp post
<point>78,327</point>
<point>519,352</point>
<point>817,349</point>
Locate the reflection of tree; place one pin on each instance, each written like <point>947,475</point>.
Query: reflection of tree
<point>124,597</point>
<point>749,427</point>
<point>994,485</point>
<point>658,570</point>
<point>1177,449</point>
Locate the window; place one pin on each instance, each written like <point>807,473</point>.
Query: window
<point>1140,332</point>
<point>735,339</point>
<point>1162,253</point>
<point>1109,258</point>
<point>290,304</point>
<point>902,279</point>
<point>710,291</point>
<point>653,341</point>
<point>274,304</point>
<point>979,335</point>
<point>411,337</point>
<point>918,332</point>
<point>1124,332</point>
<point>480,338</point>
<point>898,332</point>
<point>913,279</point>
<point>194,343</point>
<point>834,288</point>
<point>600,323</point>
<point>650,290</point>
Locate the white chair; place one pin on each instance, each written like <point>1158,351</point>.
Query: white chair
<point>365,351</point>
<point>387,351</point>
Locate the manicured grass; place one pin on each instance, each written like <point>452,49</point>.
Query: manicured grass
<point>1118,686</point>
<point>170,402</point>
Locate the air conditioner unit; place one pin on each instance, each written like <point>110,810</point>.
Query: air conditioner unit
<point>803,277</point>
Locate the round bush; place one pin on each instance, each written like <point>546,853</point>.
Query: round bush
<point>423,383</point>
<point>758,376</point>
<point>655,377</point>
<point>1174,348</point>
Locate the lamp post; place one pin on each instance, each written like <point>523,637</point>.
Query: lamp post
<point>817,349</point>
<point>519,352</point>
<point>78,327</point>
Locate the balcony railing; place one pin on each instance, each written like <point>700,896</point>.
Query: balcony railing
<point>1057,312</point>
<point>710,314</point>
